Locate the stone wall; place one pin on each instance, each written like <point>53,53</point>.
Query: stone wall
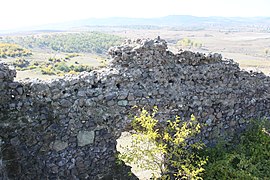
<point>67,128</point>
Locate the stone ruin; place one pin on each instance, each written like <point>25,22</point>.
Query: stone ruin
<point>67,128</point>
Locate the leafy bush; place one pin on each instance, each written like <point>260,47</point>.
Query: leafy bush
<point>246,157</point>
<point>62,66</point>
<point>21,63</point>
<point>31,67</point>
<point>49,70</point>
<point>189,43</point>
<point>81,68</point>
<point>12,50</point>
<point>165,150</point>
<point>69,56</point>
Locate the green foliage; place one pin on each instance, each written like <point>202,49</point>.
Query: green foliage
<point>69,56</point>
<point>20,63</point>
<point>182,154</point>
<point>81,68</point>
<point>247,157</point>
<point>31,67</point>
<point>49,70</point>
<point>12,50</point>
<point>189,43</point>
<point>86,42</point>
<point>62,66</point>
<point>167,150</point>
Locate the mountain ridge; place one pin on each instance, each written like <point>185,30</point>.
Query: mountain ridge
<point>171,21</point>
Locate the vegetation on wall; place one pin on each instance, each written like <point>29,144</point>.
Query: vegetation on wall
<point>246,157</point>
<point>167,151</point>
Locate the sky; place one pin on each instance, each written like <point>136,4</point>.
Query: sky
<point>25,13</point>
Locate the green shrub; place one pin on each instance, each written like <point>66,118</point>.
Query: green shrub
<point>188,43</point>
<point>166,150</point>
<point>47,70</point>
<point>13,50</point>
<point>81,68</point>
<point>21,63</point>
<point>246,157</point>
<point>31,67</point>
<point>62,66</point>
<point>69,56</point>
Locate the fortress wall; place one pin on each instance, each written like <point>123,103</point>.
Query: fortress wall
<point>67,127</point>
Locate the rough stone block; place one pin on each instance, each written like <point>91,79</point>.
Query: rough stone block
<point>85,137</point>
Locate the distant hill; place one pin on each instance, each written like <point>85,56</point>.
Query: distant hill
<point>171,21</point>
<point>174,20</point>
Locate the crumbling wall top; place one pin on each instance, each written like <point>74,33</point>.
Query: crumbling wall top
<point>155,51</point>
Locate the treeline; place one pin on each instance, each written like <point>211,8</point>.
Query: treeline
<point>12,50</point>
<point>85,42</point>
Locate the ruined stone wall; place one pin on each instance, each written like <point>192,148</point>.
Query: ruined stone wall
<point>67,127</point>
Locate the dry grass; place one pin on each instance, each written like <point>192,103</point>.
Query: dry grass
<point>256,65</point>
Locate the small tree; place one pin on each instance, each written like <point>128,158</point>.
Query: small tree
<point>166,150</point>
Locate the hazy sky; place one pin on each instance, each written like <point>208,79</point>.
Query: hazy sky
<point>21,13</point>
